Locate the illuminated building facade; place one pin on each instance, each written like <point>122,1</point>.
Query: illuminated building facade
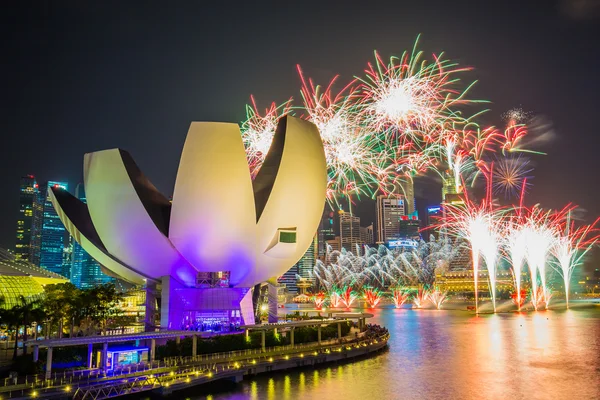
<point>434,213</point>
<point>335,244</point>
<point>24,251</point>
<point>53,235</point>
<point>389,212</point>
<point>350,232</point>
<point>86,272</point>
<point>220,220</point>
<point>366,235</point>
<point>408,228</point>
<point>407,189</point>
<point>326,231</point>
<point>461,281</point>
<point>21,278</point>
<point>289,279</point>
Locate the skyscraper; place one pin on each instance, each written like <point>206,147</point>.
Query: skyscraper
<point>350,232</point>
<point>307,262</point>
<point>366,235</point>
<point>85,271</point>
<point>53,236</point>
<point>326,231</point>
<point>409,228</point>
<point>24,251</point>
<point>389,212</point>
<point>407,190</point>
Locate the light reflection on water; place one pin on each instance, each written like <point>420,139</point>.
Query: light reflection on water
<point>452,355</point>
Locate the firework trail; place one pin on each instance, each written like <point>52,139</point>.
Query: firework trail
<point>348,296</point>
<point>258,131</point>
<point>511,176</point>
<point>400,296</point>
<point>372,296</point>
<point>407,98</point>
<point>319,300</point>
<point>438,298</point>
<point>335,300</point>
<point>479,225</point>
<point>420,297</point>
<point>571,245</point>
<point>516,247</point>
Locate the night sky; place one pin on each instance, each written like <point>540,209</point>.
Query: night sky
<point>83,76</point>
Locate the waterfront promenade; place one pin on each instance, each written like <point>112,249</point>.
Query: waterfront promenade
<point>176,373</point>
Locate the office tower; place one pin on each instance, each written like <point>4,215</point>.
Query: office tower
<point>67,258</point>
<point>407,190</point>
<point>334,244</point>
<point>409,228</point>
<point>326,231</point>
<point>432,219</point>
<point>85,271</point>
<point>366,235</point>
<point>350,232</point>
<point>53,236</point>
<point>24,251</point>
<point>389,211</point>
<point>289,279</point>
<point>308,260</point>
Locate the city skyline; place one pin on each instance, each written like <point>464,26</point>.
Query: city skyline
<point>73,97</point>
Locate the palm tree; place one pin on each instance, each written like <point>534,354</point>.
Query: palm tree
<point>30,311</point>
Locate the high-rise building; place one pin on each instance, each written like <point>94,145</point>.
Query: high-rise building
<point>366,235</point>
<point>431,219</point>
<point>85,271</point>
<point>407,189</point>
<point>350,232</point>
<point>289,279</point>
<point>53,236</point>
<point>389,212</point>
<point>409,228</point>
<point>326,231</point>
<point>308,260</point>
<point>334,244</point>
<point>24,251</point>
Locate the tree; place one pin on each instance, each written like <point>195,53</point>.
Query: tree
<point>27,311</point>
<point>60,303</point>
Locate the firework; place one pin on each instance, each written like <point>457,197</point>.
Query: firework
<point>438,298</point>
<point>516,247</point>
<point>541,297</point>
<point>258,131</point>
<point>407,97</point>
<point>539,237</point>
<point>400,296</point>
<point>352,160</point>
<point>348,296</point>
<point>319,300</point>
<point>517,115</point>
<point>420,297</point>
<point>372,296</point>
<point>511,176</point>
<point>335,300</point>
<point>570,247</point>
<point>479,225</point>
<point>519,297</point>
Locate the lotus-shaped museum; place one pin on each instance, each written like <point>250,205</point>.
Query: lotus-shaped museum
<point>219,221</point>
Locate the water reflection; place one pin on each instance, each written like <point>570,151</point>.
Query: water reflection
<point>453,354</point>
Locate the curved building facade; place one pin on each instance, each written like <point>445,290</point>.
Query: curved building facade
<point>219,221</point>
<point>20,278</point>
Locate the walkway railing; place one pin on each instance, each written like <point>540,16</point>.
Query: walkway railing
<point>170,370</point>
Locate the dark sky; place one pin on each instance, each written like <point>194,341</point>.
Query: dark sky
<point>83,76</point>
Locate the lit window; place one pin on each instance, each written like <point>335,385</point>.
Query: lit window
<point>287,237</point>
